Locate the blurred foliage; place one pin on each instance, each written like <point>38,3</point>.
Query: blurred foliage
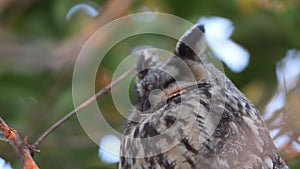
<point>36,89</point>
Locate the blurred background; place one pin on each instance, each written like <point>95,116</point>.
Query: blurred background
<point>41,39</point>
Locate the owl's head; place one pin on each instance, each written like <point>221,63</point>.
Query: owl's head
<point>156,82</point>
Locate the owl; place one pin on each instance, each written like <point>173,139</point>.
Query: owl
<point>188,114</point>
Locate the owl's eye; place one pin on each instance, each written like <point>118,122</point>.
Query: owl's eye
<point>175,95</point>
<point>176,98</point>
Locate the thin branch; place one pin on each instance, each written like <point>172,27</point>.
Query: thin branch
<point>89,101</point>
<point>21,147</point>
<point>83,105</point>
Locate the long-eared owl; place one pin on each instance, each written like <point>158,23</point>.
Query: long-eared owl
<point>188,114</point>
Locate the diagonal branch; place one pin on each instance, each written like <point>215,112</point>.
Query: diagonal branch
<point>89,101</point>
<point>80,107</point>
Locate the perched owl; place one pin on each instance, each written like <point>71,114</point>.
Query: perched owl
<point>188,114</point>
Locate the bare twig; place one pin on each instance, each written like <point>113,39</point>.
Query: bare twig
<point>88,102</point>
<point>21,147</point>
<point>83,105</point>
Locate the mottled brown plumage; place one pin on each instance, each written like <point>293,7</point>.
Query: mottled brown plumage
<point>190,115</point>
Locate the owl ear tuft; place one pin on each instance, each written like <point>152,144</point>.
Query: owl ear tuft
<point>192,43</point>
<point>142,65</point>
<point>147,59</point>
